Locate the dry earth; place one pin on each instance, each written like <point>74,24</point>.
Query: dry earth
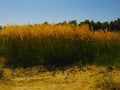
<point>71,78</point>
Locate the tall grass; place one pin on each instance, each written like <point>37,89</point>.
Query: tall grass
<point>59,45</point>
<point>107,48</point>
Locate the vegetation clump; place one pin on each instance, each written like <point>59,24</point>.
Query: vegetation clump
<point>58,45</point>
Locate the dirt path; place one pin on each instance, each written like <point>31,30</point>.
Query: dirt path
<point>70,79</point>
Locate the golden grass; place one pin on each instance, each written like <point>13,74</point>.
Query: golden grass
<point>68,31</point>
<point>89,77</point>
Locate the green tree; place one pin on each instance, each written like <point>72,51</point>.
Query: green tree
<point>45,23</point>
<point>105,25</point>
<point>117,24</point>
<point>112,26</point>
<point>0,27</point>
<point>73,22</point>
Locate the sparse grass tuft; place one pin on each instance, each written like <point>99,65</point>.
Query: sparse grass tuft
<point>109,81</point>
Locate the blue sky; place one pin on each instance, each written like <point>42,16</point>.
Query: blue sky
<point>53,11</point>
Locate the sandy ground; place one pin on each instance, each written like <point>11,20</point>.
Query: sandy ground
<point>69,79</point>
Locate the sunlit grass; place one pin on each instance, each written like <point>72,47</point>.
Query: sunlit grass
<point>89,77</point>
<point>59,45</point>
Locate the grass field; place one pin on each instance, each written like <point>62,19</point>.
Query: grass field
<point>58,45</point>
<point>56,56</point>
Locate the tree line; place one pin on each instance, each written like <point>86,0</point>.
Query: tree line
<point>110,26</point>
